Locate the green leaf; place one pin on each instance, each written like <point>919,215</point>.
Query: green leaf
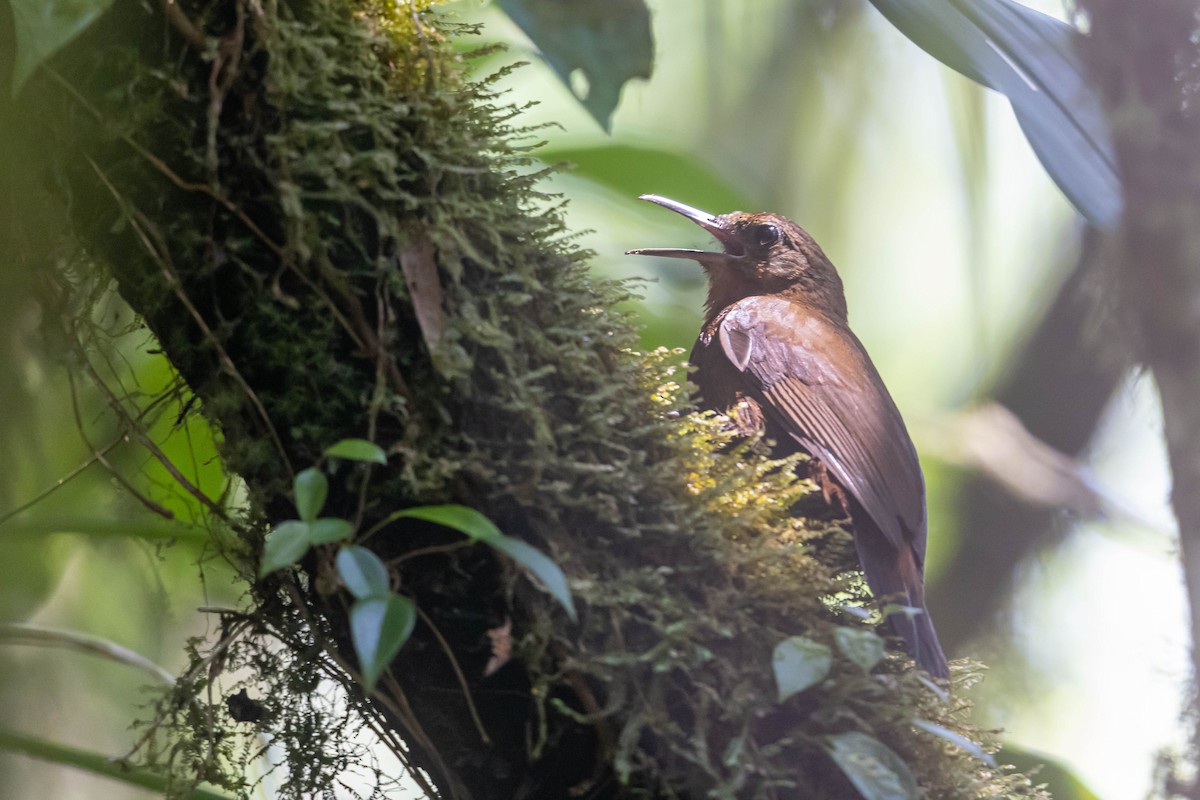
<point>330,529</point>
<point>42,27</point>
<point>863,647</point>
<point>609,43</point>
<point>362,572</point>
<point>1032,59</point>
<point>379,627</point>
<point>1060,782</point>
<point>357,450</point>
<point>311,488</point>
<point>284,546</point>
<point>800,663</point>
<point>876,772</point>
<point>481,529</point>
<point>956,739</point>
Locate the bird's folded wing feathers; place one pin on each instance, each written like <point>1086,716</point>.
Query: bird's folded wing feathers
<point>853,428</point>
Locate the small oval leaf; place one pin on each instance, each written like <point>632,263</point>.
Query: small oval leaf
<point>362,572</point>
<point>327,530</point>
<point>863,647</point>
<point>311,488</point>
<point>481,529</point>
<point>357,450</point>
<point>799,664</point>
<point>379,627</point>
<point>957,739</point>
<point>876,772</point>
<point>285,545</point>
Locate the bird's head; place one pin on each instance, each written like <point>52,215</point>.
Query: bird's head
<point>762,253</point>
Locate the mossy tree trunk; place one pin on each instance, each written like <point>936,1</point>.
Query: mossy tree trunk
<point>332,234</point>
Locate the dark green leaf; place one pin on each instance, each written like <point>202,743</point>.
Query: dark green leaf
<point>609,43</point>
<point>876,772</point>
<point>311,489</point>
<point>357,450</point>
<point>327,530</point>
<point>284,546</point>
<point>362,572</point>
<point>480,528</point>
<point>1060,781</point>
<point>863,647</point>
<point>1032,59</point>
<point>379,627</point>
<point>42,27</point>
<point>956,739</point>
<point>800,663</point>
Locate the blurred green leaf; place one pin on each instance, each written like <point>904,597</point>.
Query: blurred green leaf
<point>311,487</point>
<point>876,772</point>
<point>956,739</point>
<point>632,170</point>
<point>1031,59</point>
<point>97,764</point>
<point>357,450</point>
<point>362,572</point>
<point>329,529</point>
<point>480,528</point>
<point>800,663</point>
<point>609,43</point>
<point>42,27</point>
<point>863,647</point>
<point>285,545</point>
<point>1060,781</point>
<point>379,627</point>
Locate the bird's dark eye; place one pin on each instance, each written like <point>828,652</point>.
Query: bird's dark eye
<point>766,235</point>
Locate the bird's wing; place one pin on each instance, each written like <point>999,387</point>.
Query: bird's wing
<point>815,381</point>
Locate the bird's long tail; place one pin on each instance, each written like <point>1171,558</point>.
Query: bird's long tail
<point>895,577</point>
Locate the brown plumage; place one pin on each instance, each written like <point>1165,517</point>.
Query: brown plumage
<point>776,337</point>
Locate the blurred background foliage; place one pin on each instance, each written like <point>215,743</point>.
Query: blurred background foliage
<point>966,273</point>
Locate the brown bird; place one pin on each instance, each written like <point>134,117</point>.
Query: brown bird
<point>776,340</point>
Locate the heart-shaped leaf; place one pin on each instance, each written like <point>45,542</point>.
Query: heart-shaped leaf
<point>861,646</point>
<point>357,450</point>
<point>800,663</point>
<point>285,545</point>
<point>311,488</point>
<point>876,772</point>
<point>379,627</point>
<point>362,572</point>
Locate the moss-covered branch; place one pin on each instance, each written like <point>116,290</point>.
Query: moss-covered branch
<point>266,203</point>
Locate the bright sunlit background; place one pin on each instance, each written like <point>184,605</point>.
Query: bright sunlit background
<point>951,240</point>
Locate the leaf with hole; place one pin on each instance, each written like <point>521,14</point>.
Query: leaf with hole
<point>42,27</point>
<point>876,772</point>
<point>1033,60</point>
<point>481,529</point>
<point>328,530</point>
<point>607,43</point>
<point>863,647</point>
<point>956,739</point>
<point>311,488</point>
<point>379,627</point>
<point>285,545</point>
<point>800,663</point>
<point>356,450</point>
<point>362,572</point>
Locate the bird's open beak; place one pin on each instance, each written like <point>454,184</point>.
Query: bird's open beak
<point>713,224</point>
